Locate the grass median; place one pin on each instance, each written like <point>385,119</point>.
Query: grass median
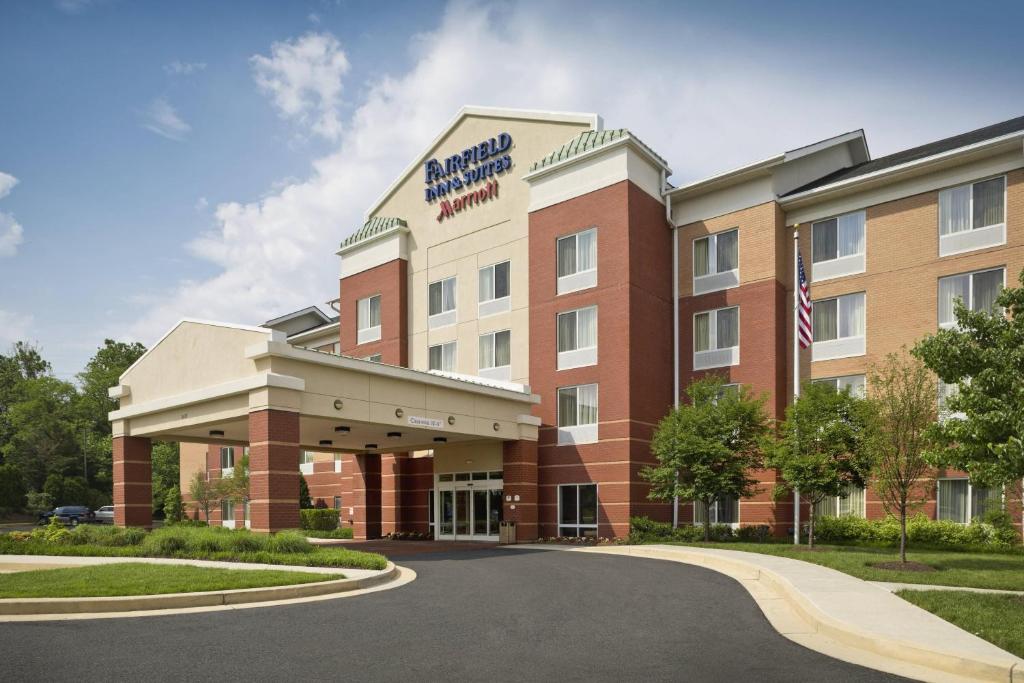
<point>187,542</point>
<point>144,579</point>
<point>996,618</point>
<point>1003,571</point>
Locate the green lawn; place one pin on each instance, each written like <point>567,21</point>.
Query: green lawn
<point>143,579</point>
<point>996,618</point>
<point>969,569</point>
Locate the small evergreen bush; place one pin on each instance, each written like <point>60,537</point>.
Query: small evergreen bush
<point>319,519</point>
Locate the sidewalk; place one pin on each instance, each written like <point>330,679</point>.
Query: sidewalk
<point>843,616</point>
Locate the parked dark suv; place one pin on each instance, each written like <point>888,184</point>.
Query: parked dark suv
<point>68,514</point>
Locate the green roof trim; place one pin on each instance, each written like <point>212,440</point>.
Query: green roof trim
<point>371,228</point>
<point>587,141</point>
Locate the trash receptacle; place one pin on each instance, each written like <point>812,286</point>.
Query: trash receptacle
<point>507,533</point>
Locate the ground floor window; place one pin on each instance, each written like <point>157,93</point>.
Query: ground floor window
<point>724,511</point>
<point>577,510</point>
<point>850,505</point>
<point>227,513</point>
<point>337,502</point>
<point>961,502</point>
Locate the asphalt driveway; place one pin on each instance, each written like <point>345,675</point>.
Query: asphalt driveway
<point>506,615</point>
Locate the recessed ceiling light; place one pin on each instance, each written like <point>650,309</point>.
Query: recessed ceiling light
<point>394,435</point>
<point>216,432</point>
<point>440,439</point>
<point>370,446</point>
<point>325,442</point>
<point>343,429</point>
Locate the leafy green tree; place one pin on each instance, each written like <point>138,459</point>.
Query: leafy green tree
<point>174,509</point>
<point>21,364</point>
<point>166,472</point>
<point>903,393</point>
<point>38,501</point>
<point>12,489</point>
<point>42,431</point>
<point>203,493</point>
<point>707,447</point>
<point>984,357</point>
<point>305,502</point>
<point>824,446</point>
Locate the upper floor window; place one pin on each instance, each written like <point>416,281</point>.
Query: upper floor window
<point>577,338</point>
<point>442,357</point>
<point>716,262</point>
<point>716,338</point>
<point>961,501</point>
<point>978,292</point>
<point>855,384</point>
<point>577,414</point>
<point>494,289</point>
<point>972,216</point>
<point>837,246</point>
<point>496,355</point>
<point>368,319</point>
<point>306,459</point>
<point>946,392</point>
<point>441,302</point>
<point>227,460</point>
<point>838,326</point>
<point>577,261</point>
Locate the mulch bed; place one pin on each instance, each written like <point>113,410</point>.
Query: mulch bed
<point>904,566</point>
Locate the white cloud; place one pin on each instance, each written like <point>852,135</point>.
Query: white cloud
<point>313,18</point>
<point>7,183</point>
<point>201,204</point>
<point>11,232</point>
<point>177,68</point>
<point>303,77</point>
<point>13,327</point>
<point>161,118</point>
<point>74,6</point>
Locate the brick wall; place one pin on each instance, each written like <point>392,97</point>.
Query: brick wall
<point>390,280</point>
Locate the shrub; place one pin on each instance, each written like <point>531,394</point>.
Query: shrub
<point>319,519</point>
<point>288,542</point>
<point>754,534</point>
<point>187,523</point>
<point>174,508</point>
<point>244,541</point>
<point>164,543</point>
<point>56,533</point>
<point>340,532</point>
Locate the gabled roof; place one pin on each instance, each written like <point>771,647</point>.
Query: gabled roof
<point>591,140</point>
<point>917,153</point>
<point>377,225</point>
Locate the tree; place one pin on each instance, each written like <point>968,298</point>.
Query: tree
<point>42,430</point>
<point>712,442</point>
<point>173,507</point>
<point>903,393</point>
<point>203,493</point>
<point>824,446</point>
<point>166,471</point>
<point>12,488</point>
<point>235,488</point>
<point>984,357</point>
<point>38,501</point>
<point>305,502</point>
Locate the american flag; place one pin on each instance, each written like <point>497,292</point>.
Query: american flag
<point>804,307</point>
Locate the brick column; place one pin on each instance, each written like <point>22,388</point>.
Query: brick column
<point>273,470</point>
<point>133,481</point>
<point>520,479</point>
<point>366,498</point>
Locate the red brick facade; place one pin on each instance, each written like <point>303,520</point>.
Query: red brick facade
<point>133,481</point>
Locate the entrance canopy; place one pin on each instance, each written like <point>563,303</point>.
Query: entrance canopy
<point>203,379</point>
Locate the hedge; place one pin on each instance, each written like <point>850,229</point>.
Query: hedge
<point>319,519</point>
<point>645,530</point>
<point>996,531</point>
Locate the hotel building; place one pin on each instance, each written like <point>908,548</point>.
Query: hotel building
<point>527,299</point>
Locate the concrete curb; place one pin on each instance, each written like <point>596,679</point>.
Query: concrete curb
<point>938,662</point>
<point>136,603</point>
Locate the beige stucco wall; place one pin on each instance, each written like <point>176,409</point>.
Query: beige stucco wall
<point>484,455</point>
<point>193,459</point>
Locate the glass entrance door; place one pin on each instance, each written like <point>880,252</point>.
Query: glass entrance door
<point>469,506</point>
<point>462,512</point>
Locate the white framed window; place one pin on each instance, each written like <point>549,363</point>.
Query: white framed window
<point>577,510</point>
<point>577,414</point>
<point>496,355</point>
<point>723,511</point>
<point>227,514</point>
<point>855,384</point>
<point>337,463</point>
<point>716,262</point>
<point>978,291</point>
<point>972,216</point>
<point>246,517</point>
<point>442,357</point>
<point>306,462</point>
<point>337,502</point>
<point>838,325</point>
<point>946,392</point>
<point>227,461</point>
<point>375,358</point>
<point>577,338</point>
<point>577,261</point>
<point>495,289</point>
<point>368,319</point>
<point>838,246</point>
<point>960,501</point>
<point>441,303</point>
<point>716,338</point>
<point>853,504</point>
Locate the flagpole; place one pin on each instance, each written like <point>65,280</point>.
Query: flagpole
<point>796,362</point>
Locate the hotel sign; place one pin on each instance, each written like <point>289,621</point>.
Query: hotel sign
<point>428,422</point>
<point>482,162</point>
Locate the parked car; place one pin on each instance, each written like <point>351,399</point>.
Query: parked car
<point>105,515</point>
<point>72,515</point>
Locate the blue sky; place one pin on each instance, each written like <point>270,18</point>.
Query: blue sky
<point>163,160</point>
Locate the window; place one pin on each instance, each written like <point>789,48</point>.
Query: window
<point>577,510</point>
<point>946,392</point>
<point>577,261</point>
<point>337,463</point>
<point>337,502</point>
<point>852,504</point>
<point>838,327</point>
<point>855,384</point>
<point>227,514</point>
<point>978,292</point>
<point>577,414</point>
<point>577,338</point>
<point>368,319</point>
<point>496,355</point>
<point>306,462</point>
<point>837,246</point>
<point>972,216</point>
<point>724,511</point>
<point>375,358</point>
<point>442,357</point>
<point>716,262</point>
<point>716,338</point>
<point>441,302</point>
<point>494,289</point>
<point>961,501</point>
<point>227,460</point>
